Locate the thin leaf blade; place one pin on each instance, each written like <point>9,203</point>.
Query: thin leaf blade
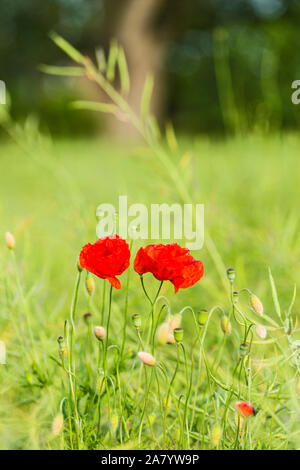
<point>275,295</point>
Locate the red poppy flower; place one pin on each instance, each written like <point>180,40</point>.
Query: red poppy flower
<point>107,258</point>
<point>169,263</point>
<point>245,409</point>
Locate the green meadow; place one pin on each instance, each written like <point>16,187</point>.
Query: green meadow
<point>50,190</point>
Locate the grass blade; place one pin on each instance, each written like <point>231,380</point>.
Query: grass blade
<point>123,69</point>
<point>94,106</point>
<point>112,61</point>
<point>274,295</point>
<point>67,48</point>
<point>146,96</point>
<point>66,71</point>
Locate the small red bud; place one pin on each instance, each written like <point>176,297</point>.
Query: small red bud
<point>245,409</point>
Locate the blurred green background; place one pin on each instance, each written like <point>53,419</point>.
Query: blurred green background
<point>220,65</point>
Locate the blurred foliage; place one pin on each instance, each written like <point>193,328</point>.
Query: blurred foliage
<point>221,54</point>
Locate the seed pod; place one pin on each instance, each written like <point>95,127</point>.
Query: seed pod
<point>87,318</point>
<point>90,285</point>
<point>162,333</point>
<point>225,325</point>
<point>216,434</point>
<point>10,240</point>
<point>245,409</point>
<point>99,332</point>
<point>178,335</point>
<point>175,322</point>
<point>100,384</point>
<point>146,358</point>
<point>62,348</point>
<point>202,316</point>
<point>230,274</point>
<point>167,402</point>
<point>136,320</point>
<point>244,349</point>
<point>261,331</point>
<point>57,424</point>
<point>256,305</point>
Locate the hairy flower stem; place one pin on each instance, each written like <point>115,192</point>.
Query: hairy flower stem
<point>182,423</point>
<point>72,387</point>
<point>103,302</point>
<point>105,353</point>
<point>151,331</point>
<point>107,329</point>
<point>126,307</point>
<point>72,365</point>
<point>147,388</point>
<point>72,318</point>
<point>189,386</point>
<point>174,399</point>
<point>217,359</point>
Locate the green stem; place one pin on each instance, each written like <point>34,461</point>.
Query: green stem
<point>126,308</point>
<point>103,302</point>
<point>107,329</point>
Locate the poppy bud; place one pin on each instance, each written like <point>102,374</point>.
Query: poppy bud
<point>90,285</point>
<point>244,349</point>
<point>87,318</point>
<point>170,338</point>
<point>146,358</point>
<point>100,384</point>
<point>167,402</point>
<point>99,332</point>
<point>216,435</point>
<point>79,267</point>
<point>57,424</point>
<point>235,296</point>
<point>230,274</point>
<point>256,305</point>
<point>261,331</point>
<point>62,348</point>
<point>136,320</point>
<point>245,409</point>
<point>225,325</point>
<point>175,322</point>
<point>202,316</point>
<point>162,333</point>
<point>60,340</point>
<point>10,240</point>
<point>178,335</point>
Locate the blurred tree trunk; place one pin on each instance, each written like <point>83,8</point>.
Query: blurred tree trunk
<point>145,50</point>
<point>133,23</point>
